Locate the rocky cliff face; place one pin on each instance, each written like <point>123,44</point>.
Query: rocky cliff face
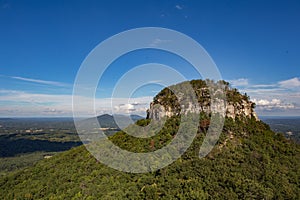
<point>240,109</point>
<point>236,104</point>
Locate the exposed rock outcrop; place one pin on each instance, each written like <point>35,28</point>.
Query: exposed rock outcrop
<point>166,103</point>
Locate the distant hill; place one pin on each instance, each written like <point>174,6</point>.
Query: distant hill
<point>5,119</point>
<point>249,161</point>
<point>109,121</point>
<point>289,126</point>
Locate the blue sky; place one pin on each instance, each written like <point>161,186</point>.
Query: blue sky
<point>255,45</point>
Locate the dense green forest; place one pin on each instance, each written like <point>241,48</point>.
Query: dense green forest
<point>249,162</point>
<point>255,164</point>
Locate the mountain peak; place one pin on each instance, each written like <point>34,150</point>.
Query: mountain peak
<point>166,103</point>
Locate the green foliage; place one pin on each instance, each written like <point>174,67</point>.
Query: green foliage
<point>255,164</point>
<point>9,164</point>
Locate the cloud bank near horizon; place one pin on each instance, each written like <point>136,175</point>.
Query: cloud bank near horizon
<point>23,104</point>
<point>281,98</point>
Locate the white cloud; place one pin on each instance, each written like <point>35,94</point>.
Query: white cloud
<point>54,83</point>
<point>263,86</point>
<point>125,108</point>
<point>156,42</point>
<point>178,7</point>
<point>131,106</point>
<point>272,104</point>
<point>239,82</point>
<point>276,98</point>
<point>279,98</point>
<point>19,103</point>
<point>20,96</point>
<point>290,83</point>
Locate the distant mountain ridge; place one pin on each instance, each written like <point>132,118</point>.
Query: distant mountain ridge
<point>109,121</point>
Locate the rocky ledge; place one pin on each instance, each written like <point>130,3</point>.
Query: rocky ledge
<point>166,103</point>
